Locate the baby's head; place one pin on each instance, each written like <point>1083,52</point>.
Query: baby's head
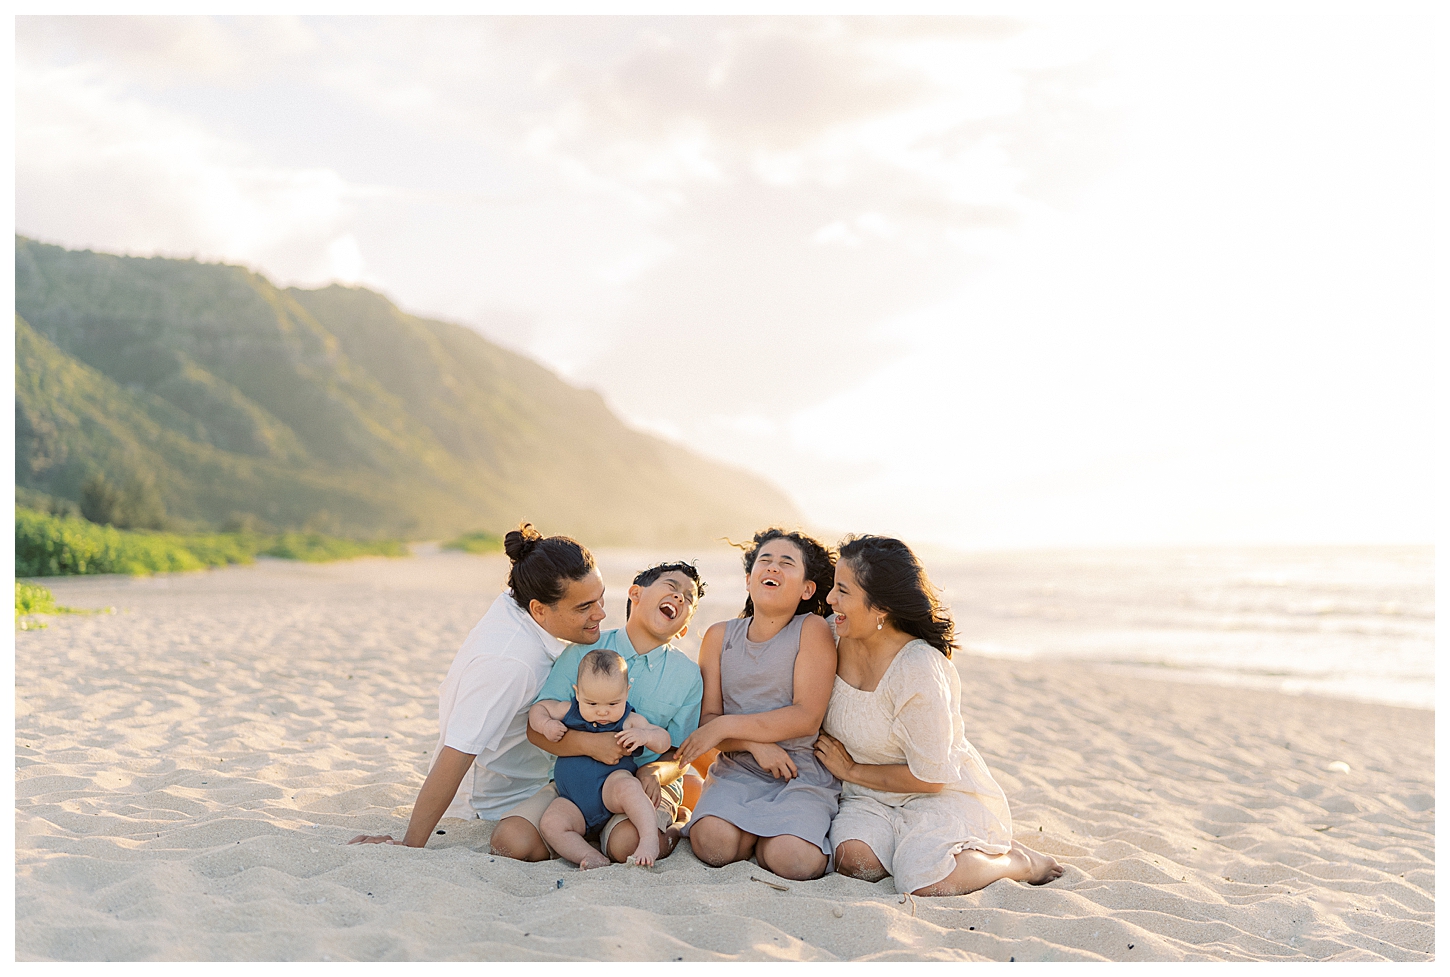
<point>602,686</point>
<point>665,596</point>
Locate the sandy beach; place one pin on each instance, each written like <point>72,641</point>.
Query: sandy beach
<point>190,767</point>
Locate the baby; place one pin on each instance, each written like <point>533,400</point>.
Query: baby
<point>591,791</point>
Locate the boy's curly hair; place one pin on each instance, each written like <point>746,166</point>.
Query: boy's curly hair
<point>649,575</point>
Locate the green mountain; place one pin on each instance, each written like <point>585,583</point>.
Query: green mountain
<point>235,401</point>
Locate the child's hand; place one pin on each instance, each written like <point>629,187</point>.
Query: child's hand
<point>652,738</point>
<point>774,760</point>
<point>706,738</point>
<point>553,730</point>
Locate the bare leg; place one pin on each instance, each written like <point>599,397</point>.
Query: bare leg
<point>976,870</point>
<point>563,827</point>
<point>624,839</point>
<point>856,860</point>
<point>516,838</point>
<point>622,794</point>
<point>790,857</point>
<point>718,842</point>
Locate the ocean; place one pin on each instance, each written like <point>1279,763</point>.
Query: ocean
<point>1349,622</point>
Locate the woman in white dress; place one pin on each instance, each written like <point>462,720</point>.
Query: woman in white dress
<point>917,802</point>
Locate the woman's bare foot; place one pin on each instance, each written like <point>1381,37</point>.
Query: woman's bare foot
<point>1042,869</point>
<point>593,860</point>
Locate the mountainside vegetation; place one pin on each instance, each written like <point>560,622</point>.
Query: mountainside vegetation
<point>158,393</point>
<point>49,545</point>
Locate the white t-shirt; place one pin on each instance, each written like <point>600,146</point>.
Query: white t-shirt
<point>483,705</point>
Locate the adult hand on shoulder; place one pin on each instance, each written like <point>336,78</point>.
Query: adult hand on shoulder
<point>774,760</point>
<point>833,756</point>
<point>374,840</point>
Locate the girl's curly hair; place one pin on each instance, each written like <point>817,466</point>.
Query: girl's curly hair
<point>820,566</point>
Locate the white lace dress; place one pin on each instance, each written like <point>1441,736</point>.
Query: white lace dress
<point>914,717</point>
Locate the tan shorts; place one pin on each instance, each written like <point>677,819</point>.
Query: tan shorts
<point>671,796</point>
<point>532,809</point>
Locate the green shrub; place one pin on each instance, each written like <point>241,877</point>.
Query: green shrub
<point>477,542</point>
<point>49,546</point>
<point>316,548</point>
<point>32,598</point>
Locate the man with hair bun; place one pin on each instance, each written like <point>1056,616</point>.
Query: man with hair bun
<point>555,598</point>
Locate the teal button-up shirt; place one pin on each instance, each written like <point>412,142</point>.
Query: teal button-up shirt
<point>664,685</point>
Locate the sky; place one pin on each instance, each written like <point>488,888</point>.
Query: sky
<point>986,282</point>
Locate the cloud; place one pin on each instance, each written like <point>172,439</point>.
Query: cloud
<point>810,186</point>
<point>761,83</point>
<point>1061,140</point>
<point>345,259</point>
<point>755,289</point>
<point>158,51</point>
<point>97,167</point>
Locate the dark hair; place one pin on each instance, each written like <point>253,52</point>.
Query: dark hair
<point>543,565</point>
<point>649,575</point>
<point>895,582</point>
<point>602,661</point>
<point>820,567</point>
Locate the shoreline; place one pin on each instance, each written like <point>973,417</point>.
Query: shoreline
<point>189,769</point>
<point>987,635</point>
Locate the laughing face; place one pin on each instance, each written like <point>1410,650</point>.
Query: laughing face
<point>855,617</point>
<point>664,608</point>
<point>777,581</point>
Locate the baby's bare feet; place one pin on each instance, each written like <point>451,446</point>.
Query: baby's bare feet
<point>648,850</point>
<point>593,860</point>
<point>1042,868</point>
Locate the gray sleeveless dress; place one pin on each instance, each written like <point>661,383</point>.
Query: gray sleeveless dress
<point>758,677</point>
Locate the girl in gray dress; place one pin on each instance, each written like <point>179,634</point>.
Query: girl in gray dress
<point>768,677</point>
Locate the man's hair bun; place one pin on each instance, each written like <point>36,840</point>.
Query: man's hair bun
<point>519,543</point>
<point>542,566</point>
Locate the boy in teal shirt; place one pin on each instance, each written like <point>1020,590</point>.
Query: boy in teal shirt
<point>665,688</point>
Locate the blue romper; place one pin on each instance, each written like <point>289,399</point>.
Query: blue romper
<point>581,778</point>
